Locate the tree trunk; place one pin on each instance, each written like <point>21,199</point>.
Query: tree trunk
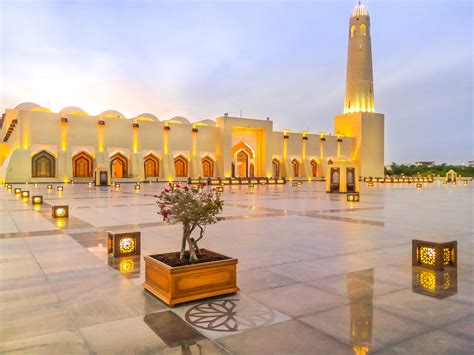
<point>183,242</point>
<point>192,252</point>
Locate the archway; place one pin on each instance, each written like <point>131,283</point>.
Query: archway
<point>82,164</point>
<point>276,167</point>
<point>314,168</point>
<point>335,175</point>
<point>350,179</point>
<point>181,166</point>
<point>241,155</point>
<point>43,164</point>
<point>295,164</point>
<point>152,166</point>
<point>118,166</point>
<point>207,167</point>
<point>242,164</point>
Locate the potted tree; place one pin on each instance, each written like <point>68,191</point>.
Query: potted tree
<point>191,273</point>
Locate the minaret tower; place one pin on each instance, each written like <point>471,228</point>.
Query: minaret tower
<point>359,119</point>
<point>359,77</point>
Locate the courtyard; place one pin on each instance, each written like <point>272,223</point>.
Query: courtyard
<point>317,274</point>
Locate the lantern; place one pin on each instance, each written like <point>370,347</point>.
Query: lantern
<point>432,255</point>
<point>9,187</point>
<point>49,187</point>
<point>37,200</point>
<point>370,184</point>
<point>353,197</point>
<point>263,182</point>
<point>59,188</point>
<point>25,194</point>
<point>295,184</point>
<point>251,186</point>
<point>220,189</point>
<point>90,185</point>
<point>117,185</point>
<point>123,244</point>
<point>17,191</point>
<point>437,284</point>
<point>137,187</point>
<point>60,211</point>
<point>419,185</point>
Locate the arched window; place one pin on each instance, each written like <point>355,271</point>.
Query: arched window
<point>207,167</point>
<point>152,166</point>
<point>82,164</point>
<point>363,30</point>
<point>314,168</point>
<point>181,166</point>
<point>43,164</point>
<point>118,166</point>
<point>353,31</point>
<point>276,168</point>
<point>296,167</point>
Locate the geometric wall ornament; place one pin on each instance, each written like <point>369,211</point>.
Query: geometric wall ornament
<point>123,244</point>
<point>432,255</point>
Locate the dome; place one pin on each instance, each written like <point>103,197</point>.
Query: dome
<point>147,117</point>
<point>205,123</point>
<point>31,106</point>
<point>111,114</point>
<point>179,119</point>
<point>73,110</point>
<point>359,10</point>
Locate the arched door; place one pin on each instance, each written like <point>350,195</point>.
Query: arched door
<point>152,166</point>
<point>314,168</point>
<point>181,166</point>
<point>350,179</point>
<point>296,167</point>
<point>118,166</point>
<point>43,164</point>
<point>207,167</point>
<point>242,164</point>
<point>276,168</point>
<point>335,175</point>
<point>82,164</point>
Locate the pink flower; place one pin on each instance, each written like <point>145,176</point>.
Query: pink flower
<point>186,188</point>
<point>167,190</point>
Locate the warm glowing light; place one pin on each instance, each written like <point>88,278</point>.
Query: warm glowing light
<point>117,185</point>
<point>63,136</point>
<point>60,188</point>
<point>137,187</point>
<point>17,191</point>
<point>135,139</point>
<point>37,200</point>
<point>100,137</point>
<point>60,211</point>
<point>127,245</point>
<point>126,265</point>
<point>25,194</point>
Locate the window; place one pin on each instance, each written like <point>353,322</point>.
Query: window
<point>353,31</point>
<point>363,30</point>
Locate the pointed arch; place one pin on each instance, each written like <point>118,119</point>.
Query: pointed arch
<point>118,166</point>
<point>207,167</point>
<point>314,168</point>
<point>243,146</point>
<point>295,164</point>
<point>276,167</point>
<point>353,31</point>
<point>151,165</point>
<point>43,164</point>
<point>181,166</point>
<point>82,165</point>
<point>363,29</point>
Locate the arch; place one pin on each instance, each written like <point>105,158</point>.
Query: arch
<point>353,31</point>
<point>207,167</point>
<point>252,170</point>
<point>111,114</point>
<point>31,106</point>
<point>243,146</point>
<point>276,167</point>
<point>82,165</point>
<point>363,29</point>
<point>295,164</point>
<point>73,110</point>
<point>118,166</point>
<point>147,117</point>
<point>314,168</point>
<point>43,164</point>
<point>181,166</point>
<point>179,119</point>
<point>205,123</point>
<point>242,167</point>
<point>152,166</point>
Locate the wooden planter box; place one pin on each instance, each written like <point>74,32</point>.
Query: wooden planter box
<point>180,284</point>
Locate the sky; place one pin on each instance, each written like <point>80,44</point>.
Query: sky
<point>280,59</point>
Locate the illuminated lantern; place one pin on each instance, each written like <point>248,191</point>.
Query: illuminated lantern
<point>37,200</point>
<point>60,211</point>
<point>353,197</point>
<point>251,185</point>
<point>90,185</point>
<point>395,180</point>
<point>263,182</point>
<point>419,185</point>
<point>432,255</point>
<point>220,189</point>
<point>49,187</point>
<point>59,188</point>
<point>295,184</point>
<point>17,191</point>
<point>35,185</point>
<point>123,244</point>
<point>9,187</point>
<point>137,187</point>
<point>117,185</point>
<point>25,194</point>
<point>280,181</point>
<point>370,184</point>
<point>437,284</point>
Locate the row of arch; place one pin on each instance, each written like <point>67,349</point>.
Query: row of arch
<point>43,164</point>
<point>362,28</point>
<point>296,167</point>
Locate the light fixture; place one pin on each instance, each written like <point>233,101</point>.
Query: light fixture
<point>419,185</point>
<point>137,187</point>
<point>353,197</point>
<point>37,200</point>
<point>295,184</point>
<point>9,187</point>
<point>220,189</point>
<point>370,184</point>
<point>60,211</point>
<point>25,194</point>
<point>117,185</point>
<point>49,187</point>
<point>123,244</point>
<point>437,284</point>
<point>17,191</point>
<point>90,185</point>
<point>59,188</point>
<point>433,255</point>
<point>36,184</point>
<point>251,185</point>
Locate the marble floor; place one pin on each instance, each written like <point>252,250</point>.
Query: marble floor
<point>318,274</point>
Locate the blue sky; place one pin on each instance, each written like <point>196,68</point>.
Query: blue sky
<point>283,60</point>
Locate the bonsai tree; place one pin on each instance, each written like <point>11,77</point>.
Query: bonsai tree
<point>194,209</point>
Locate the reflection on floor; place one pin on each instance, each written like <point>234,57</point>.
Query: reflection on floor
<point>317,274</point>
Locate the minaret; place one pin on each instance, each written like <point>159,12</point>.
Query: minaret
<point>360,123</point>
<point>359,77</point>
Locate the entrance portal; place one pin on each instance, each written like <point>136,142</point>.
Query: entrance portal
<point>335,177</point>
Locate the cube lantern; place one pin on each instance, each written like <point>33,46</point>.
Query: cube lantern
<point>370,184</point>
<point>17,191</point>
<point>419,185</point>
<point>437,284</point>
<point>117,185</point>
<point>137,187</point>
<point>37,200</point>
<point>123,244</point>
<point>25,194</point>
<point>9,187</point>
<point>432,255</point>
<point>60,188</point>
<point>90,185</point>
<point>251,185</point>
<point>295,184</point>
<point>220,189</point>
<point>263,182</point>
<point>353,197</point>
<point>49,187</point>
<point>60,211</point>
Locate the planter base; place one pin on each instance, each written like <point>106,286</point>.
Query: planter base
<point>174,285</point>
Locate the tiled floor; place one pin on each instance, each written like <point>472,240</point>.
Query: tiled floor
<point>318,275</point>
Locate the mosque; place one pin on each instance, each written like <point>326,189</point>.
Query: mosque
<point>43,146</point>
